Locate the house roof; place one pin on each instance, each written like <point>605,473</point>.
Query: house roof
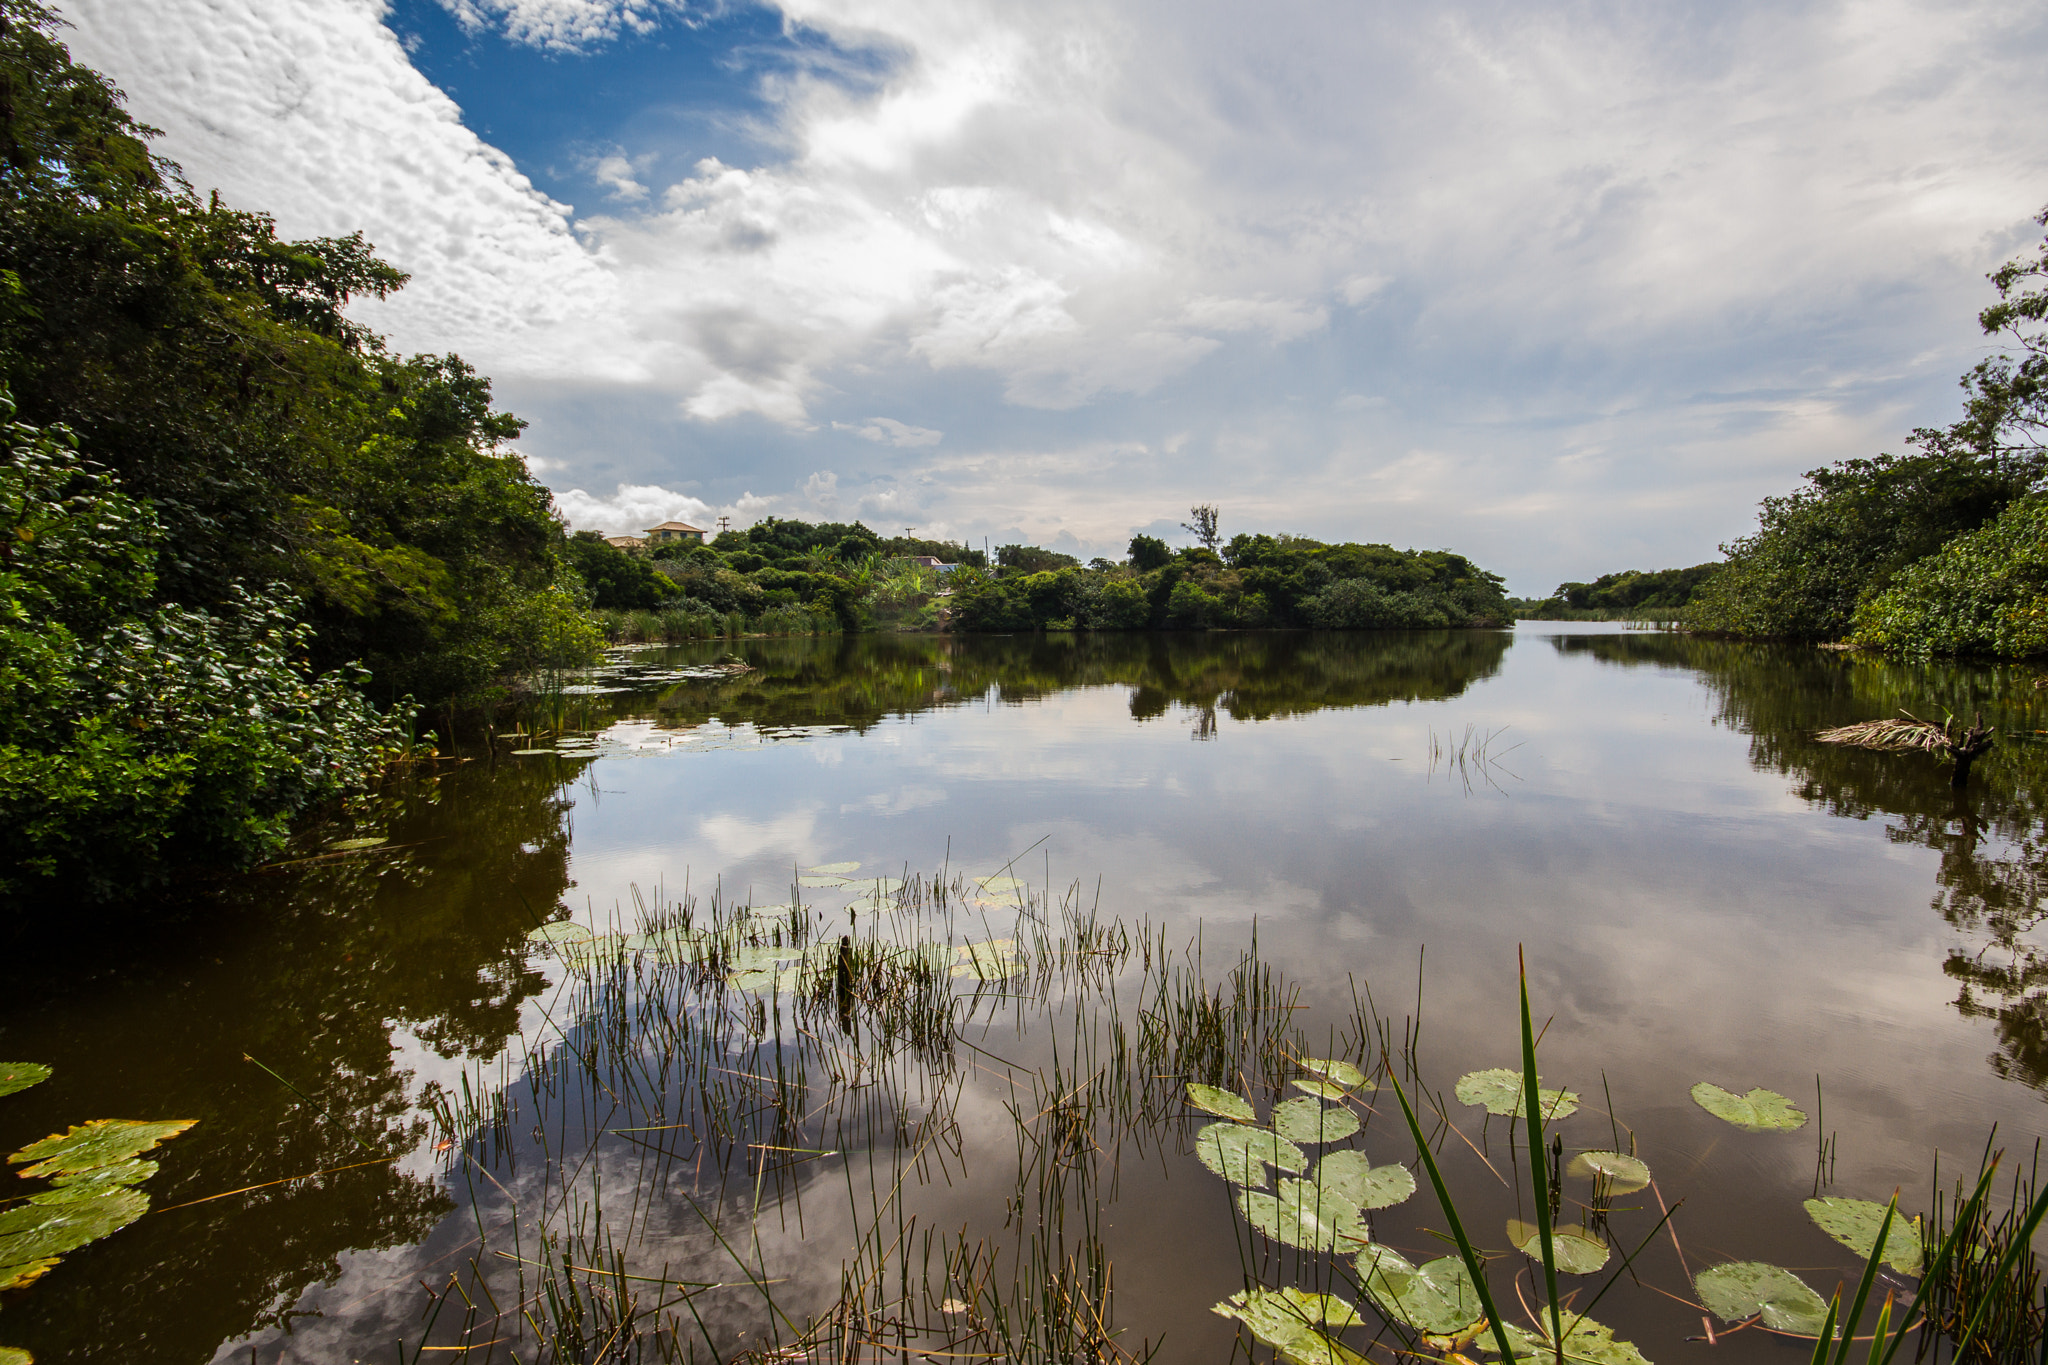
<point>675,526</point>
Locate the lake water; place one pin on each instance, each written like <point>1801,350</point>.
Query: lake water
<point>1702,892</point>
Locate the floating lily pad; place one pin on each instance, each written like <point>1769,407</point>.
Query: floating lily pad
<point>1854,1223</point>
<point>1747,1289</point>
<point>599,951</point>
<point>523,752</point>
<point>1322,1089</point>
<point>118,1173</point>
<point>100,1142</point>
<point>995,960</point>
<point>1500,1090</point>
<point>351,845</point>
<point>833,869</point>
<point>29,1232</point>
<point>1623,1174</point>
<point>821,883</point>
<point>560,931</point>
<point>1336,1072</point>
<point>1349,1176</point>
<point>21,1273</point>
<point>1574,1253</point>
<point>1436,1297</point>
<point>1221,1102</point>
<point>1306,1120</point>
<point>1760,1111</point>
<point>1303,1216</point>
<point>16,1076</point>
<point>1290,1321</point>
<point>1240,1154</point>
<point>1000,886</point>
<point>876,886</point>
<point>1585,1342</point>
<point>14,1355</point>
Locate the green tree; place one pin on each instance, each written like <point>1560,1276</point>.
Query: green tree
<point>618,581</point>
<point>1148,553</point>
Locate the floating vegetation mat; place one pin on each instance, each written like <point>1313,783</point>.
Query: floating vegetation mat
<point>922,1117</point>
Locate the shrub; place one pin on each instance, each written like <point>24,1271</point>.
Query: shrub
<point>1984,593</point>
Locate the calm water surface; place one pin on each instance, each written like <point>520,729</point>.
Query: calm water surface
<point>1702,892</point>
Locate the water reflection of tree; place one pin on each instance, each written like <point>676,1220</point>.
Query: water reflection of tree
<point>1991,839</point>
<point>313,972</point>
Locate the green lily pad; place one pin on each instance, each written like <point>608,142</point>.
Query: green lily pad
<point>1306,1120</point>
<point>118,1173</point>
<point>1240,1154</point>
<point>1500,1090</point>
<point>832,869</point>
<point>995,960</point>
<point>1854,1223</point>
<point>1303,1216</point>
<point>1760,1111</point>
<point>1747,1289</point>
<point>17,1076</point>
<point>1221,1102</point>
<point>23,1272</point>
<point>100,1142</point>
<point>1351,1177</point>
<point>351,845</point>
<point>29,1232</point>
<point>1322,1089</point>
<point>560,931</point>
<point>521,753</point>
<point>1000,886</point>
<point>820,883</point>
<point>13,1355</point>
<point>1623,1174</point>
<point>1436,1297</point>
<point>1585,1342</point>
<point>1572,1252</point>
<point>1336,1072</point>
<point>1289,1320</point>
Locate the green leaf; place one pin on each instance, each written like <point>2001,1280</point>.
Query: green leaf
<point>1500,1090</point>
<point>23,1272</point>
<point>18,1076</point>
<point>1760,1111</point>
<point>117,1173</point>
<point>1303,1216</point>
<point>1322,1089</point>
<point>101,1142</point>
<point>1221,1103</point>
<point>995,960</point>
<point>351,845</point>
<point>521,753</point>
<point>560,931</point>
<point>1289,1319</point>
<point>1574,1253</point>
<point>1747,1289</point>
<point>13,1355</point>
<point>1623,1174</point>
<point>30,1232</point>
<point>820,882</point>
<point>1240,1154</point>
<point>1336,1072</point>
<point>1309,1121</point>
<point>1436,1297</point>
<point>1585,1341</point>
<point>1854,1223</point>
<point>1000,886</point>
<point>832,869</point>
<point>1351,1177</point>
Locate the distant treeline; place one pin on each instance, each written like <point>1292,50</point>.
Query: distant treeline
<point>1616,596</point>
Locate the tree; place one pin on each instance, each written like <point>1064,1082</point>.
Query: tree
<point>617,581</point>
<point>1149,553</point>
<point>1203,527</point>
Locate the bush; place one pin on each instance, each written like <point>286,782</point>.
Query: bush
<point>1357,604</point>
<point>1984,593</point>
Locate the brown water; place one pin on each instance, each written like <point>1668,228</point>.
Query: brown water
<point>1703,893</point>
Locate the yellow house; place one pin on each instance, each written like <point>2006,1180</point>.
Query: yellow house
<point>669,532</point>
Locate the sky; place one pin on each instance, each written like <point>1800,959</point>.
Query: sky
<point>1565,287</point>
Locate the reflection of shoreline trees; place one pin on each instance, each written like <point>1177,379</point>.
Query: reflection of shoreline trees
<point>859,680</point>
<point>1992,840</point>
<point>315,971</point>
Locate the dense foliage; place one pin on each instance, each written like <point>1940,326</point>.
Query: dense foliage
<point>1822,556</point>
<point>147,730</point>
<point>1618,594</point>
<point>1983,593</point>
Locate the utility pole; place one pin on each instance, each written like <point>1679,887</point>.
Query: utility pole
<point>724,524</point>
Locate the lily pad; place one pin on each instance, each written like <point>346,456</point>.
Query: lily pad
<point>521,753</point>
<point>119,1173</point>
<point>995,960</point>
<point>351,845</point>
<point>1854,1223</point>
<point>1221,1102</point>
<point>1623,1174</point>
<point>1306,1120</point>
<point>1574,1253</point>
<point>600,951</point>
<point>1747,1289</point>
<point>1500,1090</point>
<point>1289,1320</point>
<point>1240,1154</point>
<point>1303,1216</point>
<point>1322,1089</point>
<point>100,1142</point>
<point>1000,886</point>
<point>1336,1072</point>
<point>29,1232</point>
<point>876,886</point>
<point>13,1355</point>
<point>1436,1297</point>
<point>21,1273</point>
<point>1760,1111</point>
<point>560,931</point>
<point>1350,1176</point>
<point>821,883</point>
<point>16,1076</point>
<point>833,869</point>
<point>1585,1341</point>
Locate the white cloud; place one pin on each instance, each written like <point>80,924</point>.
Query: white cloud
<point>617,173</point>
<point>891,432</point>
<point>632,508</point>
<point>563,25</point>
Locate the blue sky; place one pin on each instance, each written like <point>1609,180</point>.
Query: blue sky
<point>1565,287</point>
